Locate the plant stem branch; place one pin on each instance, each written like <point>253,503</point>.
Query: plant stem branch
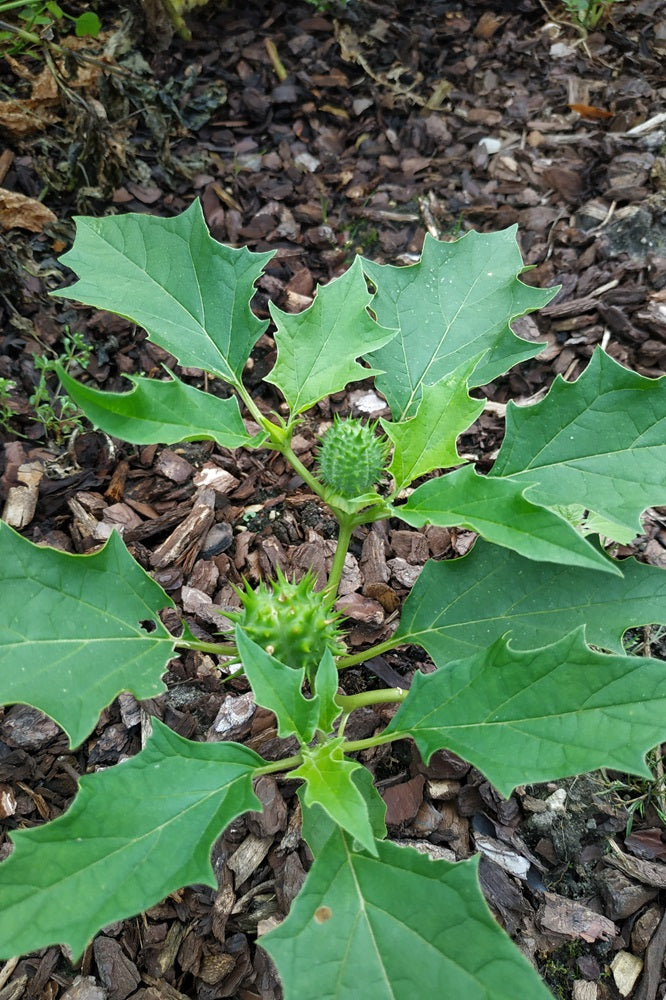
<point>275,766</point>
<point>372,741</point>
<point>304,473</point>
<point>221,648</point>
<point>288,763</point>
<point>349,702</point>
<point>344,537</point>
<point>367,654</point>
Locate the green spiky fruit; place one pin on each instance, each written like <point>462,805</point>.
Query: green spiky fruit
<point>291,621</point>
<point>352,457</point>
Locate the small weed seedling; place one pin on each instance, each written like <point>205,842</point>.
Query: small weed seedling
<point>7,387</point>
<point>57,413</point>
<point>589,14</point>
<point>525,631</point>
<point>32,20</point>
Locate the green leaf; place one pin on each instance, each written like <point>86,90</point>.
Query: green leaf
<point>599,441</point>
<point>134,833</point>
<point>326,681</point>
<point>460,606</point>
<point>497,510</point>
<point>87,25</point>
<point>317,348</point>
<point>395,927</point>
<point>190,293</point>
<point>456,303</point>
<point>317,825</point>
<point>555,711</point>
<point>278,688</point>
<point>74,630</point>
<point>329,784</point>
<point>156,412</point>
<point>427,440</point>
<point>589,523</point>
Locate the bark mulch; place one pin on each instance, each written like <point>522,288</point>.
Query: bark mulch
<point>320,134</point>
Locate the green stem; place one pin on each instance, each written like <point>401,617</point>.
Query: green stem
<point>253,408</point>
<point>221,648</point>
<point>4,7</point>
<point>344,537</point>
<point>304,473</point>
<point>274,767</point>
<point>26,36</point>
<point>289,763</point>
<point>372,741</point>
<point>350,702</point>
<point>280,440</point>
<point>367,654</point>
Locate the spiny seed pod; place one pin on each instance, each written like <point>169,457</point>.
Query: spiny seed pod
<point>291,621</point>
<point>352,458</point>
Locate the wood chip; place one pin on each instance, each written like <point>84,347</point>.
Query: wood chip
<point>651,873</point>
<point>184,543</point>
<point>626,969</point>
<point>21,502</point>
<point>403,801</point>
<point>247,858</point>
<point>119,975</point>
<point>85,988</point>
<point>571,919</point>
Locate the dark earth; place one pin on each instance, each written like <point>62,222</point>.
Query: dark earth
<point>321,134</point>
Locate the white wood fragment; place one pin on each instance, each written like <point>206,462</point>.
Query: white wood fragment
<point>582,990</point>
<point>626,969</point>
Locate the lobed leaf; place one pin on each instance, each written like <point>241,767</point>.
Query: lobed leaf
<point>135,833</point>
<point>190,293</point>
<point>599,441</point>
<point>317,348</point>
<point>155,412</point>
<point>498,510</point>
<point>457,302</point>
<point>74,630</point>
<point>278,688</point>
<point>460,606</point>
<point>555,711</point>
<point>317,825</point>
<point>327,680</point>
<point>329,783</point>
<point>370,922</point>
<point>427,440</point>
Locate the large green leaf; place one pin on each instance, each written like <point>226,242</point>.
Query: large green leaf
<point>427,440</point>
<point>155,412</point>
<point>134,833</point>
<point>599,442</point>
<point>457,302</point>
<point>497,509</point>
<point>190,293</point>
<point>535,715</point>
<point>278,688</point>
<point>395,927</point>
<point>75,631</point>
<point>460,606</point>
<point>317,348</point>
<point>328,775</point>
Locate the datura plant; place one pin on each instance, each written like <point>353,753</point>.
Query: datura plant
<point>530,680</point>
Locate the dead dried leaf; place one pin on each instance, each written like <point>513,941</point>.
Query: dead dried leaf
<point>20,212</point>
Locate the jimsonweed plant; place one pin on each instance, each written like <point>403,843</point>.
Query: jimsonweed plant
<point>525,631</point>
